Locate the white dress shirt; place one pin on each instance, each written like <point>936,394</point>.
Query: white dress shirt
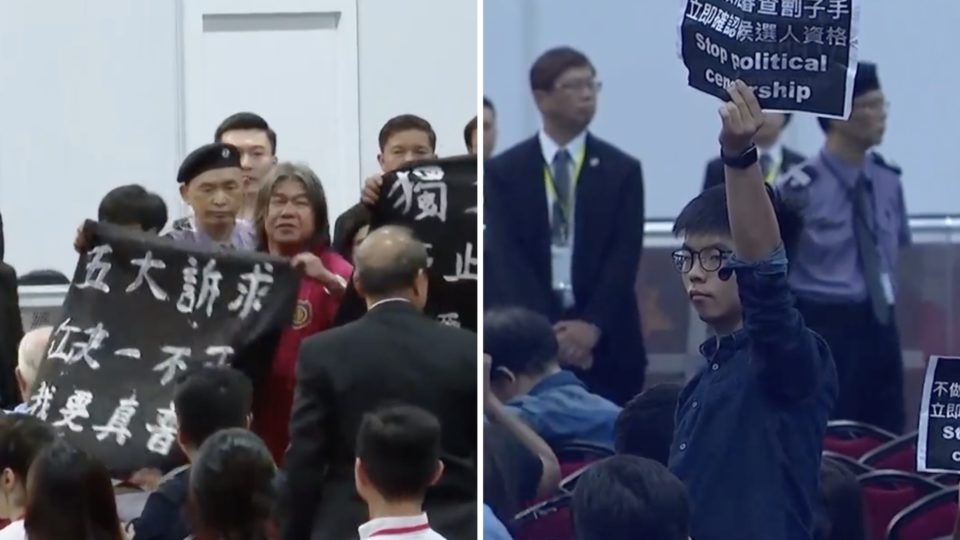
<point>562,256</point>
<point>399,528</point>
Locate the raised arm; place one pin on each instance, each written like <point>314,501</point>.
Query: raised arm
<point>788,356</point>
<point>753,222</point>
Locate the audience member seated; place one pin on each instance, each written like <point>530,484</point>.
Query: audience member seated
<point>398,459</point>
<point>526,376</point>
<point>645,426</point>
<point>839,516</point>
<point>493,528</point>
<point>512,473</point>
<point>135,208</point>
<point>33,349</point>
<point>21,440</point>
<point>70,496</point>
<point>629,498</point>
<point>206,400</point>
<point>232,488</point>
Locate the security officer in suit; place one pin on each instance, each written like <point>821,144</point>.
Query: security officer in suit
<point>775,158</point>
<point>564,230</point>
<point>844,267</point>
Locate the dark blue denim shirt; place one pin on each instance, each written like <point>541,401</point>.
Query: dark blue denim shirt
<point>750,424</point>
<point>561,410</point>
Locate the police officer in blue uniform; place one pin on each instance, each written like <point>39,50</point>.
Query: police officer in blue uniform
<point>843,271</point>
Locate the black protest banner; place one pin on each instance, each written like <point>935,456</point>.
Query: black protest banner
<point>798,55</point>
<point>437,200</point>
<point>938,438</point>
<point>140,311</point>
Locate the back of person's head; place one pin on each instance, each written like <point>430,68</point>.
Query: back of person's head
<point>645,425</point>
<point>70,495</point>
<point>406,122</point>
<point>839,516</point>
<point>22,438</point>
<point>488,104</point>
<point>349,230</point>
<point>209,399</point>
<point>232,486</point>
<point>245,121</point>
<point>391,261</point>
<point>30,355</point>
<point>398,453</point>
<point>43,277</point>
<point>132,205</point>
<point>630,497</point>
<point>519,341</point>
<point>706,215</point>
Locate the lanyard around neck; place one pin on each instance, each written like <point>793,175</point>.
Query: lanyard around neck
<point>552,188</point>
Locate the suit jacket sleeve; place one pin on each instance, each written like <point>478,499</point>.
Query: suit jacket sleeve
<point>622,262</point>
<point>307,456</point>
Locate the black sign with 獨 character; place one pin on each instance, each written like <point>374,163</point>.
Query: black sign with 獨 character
<point>140,311</point>
<point>938,439</point>
<point>437,200</point>
<point>798,55</point>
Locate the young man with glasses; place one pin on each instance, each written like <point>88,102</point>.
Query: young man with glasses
<point>750,424</point>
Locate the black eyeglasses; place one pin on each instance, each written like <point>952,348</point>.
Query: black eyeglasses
<point>711,259</point>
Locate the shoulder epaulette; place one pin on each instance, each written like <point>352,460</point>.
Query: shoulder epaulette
<point>886,164</point>
<point>801,176</point>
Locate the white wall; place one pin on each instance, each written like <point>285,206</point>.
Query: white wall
<point>92,98</point>
<point>648,110</point>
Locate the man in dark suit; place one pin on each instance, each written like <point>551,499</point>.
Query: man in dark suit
<point>564,227</point>
<point>394,353</point>
<point>775,159</point>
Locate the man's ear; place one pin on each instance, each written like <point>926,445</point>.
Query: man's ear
<point>437,473</point>
<point>357,285</point>
<point>183,192</point>
<point>380,162</point>
<point>505,373</point>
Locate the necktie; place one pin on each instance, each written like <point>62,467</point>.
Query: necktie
<point>766,162</point>
<point>863,221</point>
<point>560,228</point>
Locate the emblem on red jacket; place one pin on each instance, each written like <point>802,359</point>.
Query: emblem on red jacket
<point>302,315</point>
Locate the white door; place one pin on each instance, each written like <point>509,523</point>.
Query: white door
<point>294,62</point>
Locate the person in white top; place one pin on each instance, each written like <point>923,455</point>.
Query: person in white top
<point>21,440</point>
<point>398,459</point>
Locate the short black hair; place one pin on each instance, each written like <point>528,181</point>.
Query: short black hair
<point>247,120</point>
<point>519,339</point>
<point>133,205</point>
<point>839,516</point>
<point>346,228</point>
<point>22,437</point>
<point>645,425</point>
<point>390,276</point>
<point>469,130</point>
<point>707,214</point>
<point>406,122</point>
<point>399,449</point>
<point>233,485</point>
<point>552,64</point>
<point>208,399</point>
<point>628,497</point>
<point>487,104</point>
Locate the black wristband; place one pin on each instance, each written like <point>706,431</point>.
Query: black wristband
<point>743,161</point>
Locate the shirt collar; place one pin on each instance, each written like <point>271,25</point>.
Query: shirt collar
<point>556,380</point>
<point>387,301</point>
<point>845,172</point>
<point>775,151</point>
<point>726,344</point>
<point>388,528</point>
<point>550,147</point>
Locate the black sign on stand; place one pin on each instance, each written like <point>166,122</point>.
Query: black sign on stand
<point>938,439</point>
<point>437,200</point>
<point>798,55</point>
<point>141,311</point>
